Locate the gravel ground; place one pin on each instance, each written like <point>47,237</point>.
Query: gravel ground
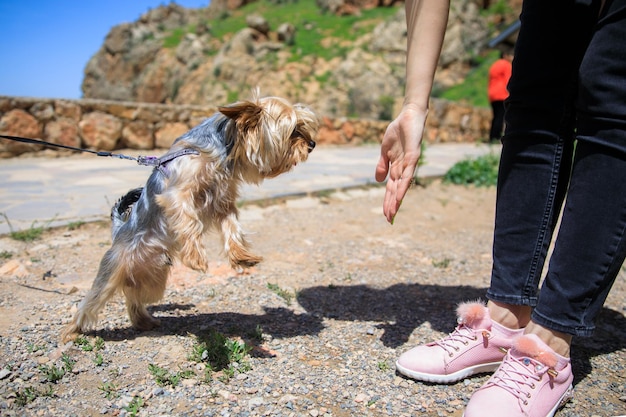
<point>339,296</point>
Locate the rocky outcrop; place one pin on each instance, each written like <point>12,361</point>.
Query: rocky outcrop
<point>365,82</point>
<point>109,125</point>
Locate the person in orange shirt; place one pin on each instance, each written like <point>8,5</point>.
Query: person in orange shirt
<point>499,74</point>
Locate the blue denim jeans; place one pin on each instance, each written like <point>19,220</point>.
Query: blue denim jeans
<point>563,154</point>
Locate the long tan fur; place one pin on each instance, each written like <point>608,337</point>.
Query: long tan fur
<point>191,194</point>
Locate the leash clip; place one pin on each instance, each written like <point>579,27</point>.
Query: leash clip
<point>151,161</point>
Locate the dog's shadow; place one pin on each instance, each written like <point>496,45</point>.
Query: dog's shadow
<point>398,310</point>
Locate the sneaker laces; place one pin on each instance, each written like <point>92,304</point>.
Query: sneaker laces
<point>519,375</point>
<point>462,334</point>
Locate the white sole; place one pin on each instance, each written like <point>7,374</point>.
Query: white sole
<point>567,395</point>
<point>449,378</point>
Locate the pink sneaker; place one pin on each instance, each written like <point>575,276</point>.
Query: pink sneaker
<point>476,345</point>
<point>533,381</point>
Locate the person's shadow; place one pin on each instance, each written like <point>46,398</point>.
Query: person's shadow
<point>402,308</point>
<point>399,309</point>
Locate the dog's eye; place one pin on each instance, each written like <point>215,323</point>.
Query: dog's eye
<point>295,135</point>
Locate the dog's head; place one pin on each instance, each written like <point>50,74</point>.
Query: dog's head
<point>269,135</point>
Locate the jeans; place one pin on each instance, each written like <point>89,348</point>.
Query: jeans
<point>563,158</point>
<point>497,121</point>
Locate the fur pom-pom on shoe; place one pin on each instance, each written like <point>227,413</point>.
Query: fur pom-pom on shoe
<point>532,348</point>
<point>472,313</point>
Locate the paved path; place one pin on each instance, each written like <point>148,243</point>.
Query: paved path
<point>56,191</point>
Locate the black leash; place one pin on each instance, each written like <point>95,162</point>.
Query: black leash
<point>141,160</point>
<point>56,145</point>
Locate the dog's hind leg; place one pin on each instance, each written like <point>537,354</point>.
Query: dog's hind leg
<point>146,286</point>
<point>235,243</point>
<point>103,288</point>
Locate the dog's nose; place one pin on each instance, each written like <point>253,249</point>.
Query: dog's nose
<point>311,146</point>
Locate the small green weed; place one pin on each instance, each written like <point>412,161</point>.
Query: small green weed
<point>481,171</point>
<point>25,396</point>
<point>75,225</point>
<point>31,348</point>
<point>324,193</point>
<point>98,359</point>
<point>284,294</point>
<point>134,406</point>
<point>109,389</point>
<point>98,344</point>
<point>27,235</point>
<point>86,346</point>
<point>383,366</point>
<point>68,363</point>
<point>328,265</point>
<point>6,254</point>
<point>163,377</point>
<point>256,334</point>
<point>442,263</point>
<point>227,374</point>
<point>52,373</point>
<point>237,350</point>
<point>221,354</point>
<point>29,394</point>
<point>187,374</point>
<point>83,343</point>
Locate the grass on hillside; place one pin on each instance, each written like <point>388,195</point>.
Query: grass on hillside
<point>311,24</point>
<point>473,89</point>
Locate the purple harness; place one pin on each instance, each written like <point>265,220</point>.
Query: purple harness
<point>161,163</point>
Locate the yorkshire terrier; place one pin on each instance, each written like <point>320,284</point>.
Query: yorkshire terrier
<point>193,189</point>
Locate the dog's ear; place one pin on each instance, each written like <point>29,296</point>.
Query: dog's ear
<point>246,114</point>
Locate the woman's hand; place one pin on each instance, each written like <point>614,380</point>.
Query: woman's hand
<point>399,154</point>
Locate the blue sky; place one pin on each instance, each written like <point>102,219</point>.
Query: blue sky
<point>46,44</point>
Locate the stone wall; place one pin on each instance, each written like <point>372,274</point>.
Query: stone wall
<point>109,125</point>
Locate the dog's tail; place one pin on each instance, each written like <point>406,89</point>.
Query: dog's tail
<point>123,208</point>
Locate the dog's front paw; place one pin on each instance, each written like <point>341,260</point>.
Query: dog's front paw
<point>146,323</point>
<point>197,263</point>
<point>196,266</point>
<point>70,333</point>
<point>245,262</point>
<point>141,319</point>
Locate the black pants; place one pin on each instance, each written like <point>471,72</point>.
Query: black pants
<point>568,83</point>
<point>497,122</point>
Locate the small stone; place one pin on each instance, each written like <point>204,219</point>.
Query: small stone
<point>361,398</point>
<point>255,402</point>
